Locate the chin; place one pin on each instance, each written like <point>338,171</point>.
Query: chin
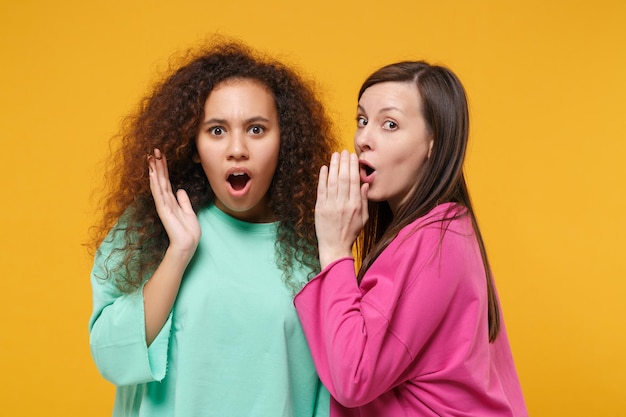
<point>374,198</point>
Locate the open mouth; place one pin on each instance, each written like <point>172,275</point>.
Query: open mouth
<point>238,180</point>
<point>367,171</point>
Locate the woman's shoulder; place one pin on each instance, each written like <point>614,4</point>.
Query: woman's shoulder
<point>446,222</point>
<point>444,215</point>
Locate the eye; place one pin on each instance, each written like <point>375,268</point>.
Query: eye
<point>390,125</point>
<point>256,130</point>
<point>216,131</point>
<point>361,121</point>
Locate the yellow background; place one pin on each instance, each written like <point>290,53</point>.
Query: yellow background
<point>546,164</point>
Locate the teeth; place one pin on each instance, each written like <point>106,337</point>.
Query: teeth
<point>237,174</point>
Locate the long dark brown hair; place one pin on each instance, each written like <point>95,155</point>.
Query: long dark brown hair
<point>445,111</point>
<point>169,119</point>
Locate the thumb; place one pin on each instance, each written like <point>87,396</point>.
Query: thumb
<point>183,201</point>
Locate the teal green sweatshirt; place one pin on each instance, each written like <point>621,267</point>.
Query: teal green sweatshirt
<point>232,346</point>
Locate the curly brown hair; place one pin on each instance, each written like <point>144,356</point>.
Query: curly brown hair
<point>169,118</point>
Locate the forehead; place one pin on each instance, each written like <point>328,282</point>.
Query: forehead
<point>402,96</point>
<point>240,93</point>
<point>237,82</point>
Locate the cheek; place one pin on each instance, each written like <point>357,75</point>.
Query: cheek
<point>409,163</point>
<point>208,152</point>
<point>208,166</point>
<point>269,153</point>
<point>403,158</point>
<point>211,176</point>
<point>270,167</point>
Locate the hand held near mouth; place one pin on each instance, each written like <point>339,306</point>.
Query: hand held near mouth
<point>341,207</point>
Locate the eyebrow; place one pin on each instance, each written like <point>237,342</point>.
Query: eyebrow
<point>224,121</point>
<point>384,109</point>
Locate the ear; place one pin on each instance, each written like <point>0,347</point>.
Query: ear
<point>430,148</point>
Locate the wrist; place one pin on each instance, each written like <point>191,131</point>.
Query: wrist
<point>180,254</point>
<point>328,257</point>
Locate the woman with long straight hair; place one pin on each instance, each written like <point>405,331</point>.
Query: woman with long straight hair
<point>418,330</point>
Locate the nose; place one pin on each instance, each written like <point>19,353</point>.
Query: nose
<point>237,147</point>
<point>362,140</point>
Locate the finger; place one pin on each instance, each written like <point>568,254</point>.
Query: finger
<point>162,176</point>
<point>364,211</point>
<point>160,186</point>
<point>333,171</point>
<point>151,166</point>
<point>183,201</point>
<point>355,178</point>
<point>157,192</point>
<point>322,185</point>
<point>343,180</point>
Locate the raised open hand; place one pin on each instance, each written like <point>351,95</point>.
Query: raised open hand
<point>341,207</point>
<point>175,211</point>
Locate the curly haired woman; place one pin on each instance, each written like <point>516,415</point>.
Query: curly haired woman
<point>207,233</point>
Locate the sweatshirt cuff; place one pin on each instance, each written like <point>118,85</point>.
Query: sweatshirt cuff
<point>319,277</point>
<point>157,351</point>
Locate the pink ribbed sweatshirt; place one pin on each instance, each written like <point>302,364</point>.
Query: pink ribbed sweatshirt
<point>412,339</point>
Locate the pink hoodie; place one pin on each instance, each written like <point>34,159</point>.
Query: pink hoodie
<point>412,339</point>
